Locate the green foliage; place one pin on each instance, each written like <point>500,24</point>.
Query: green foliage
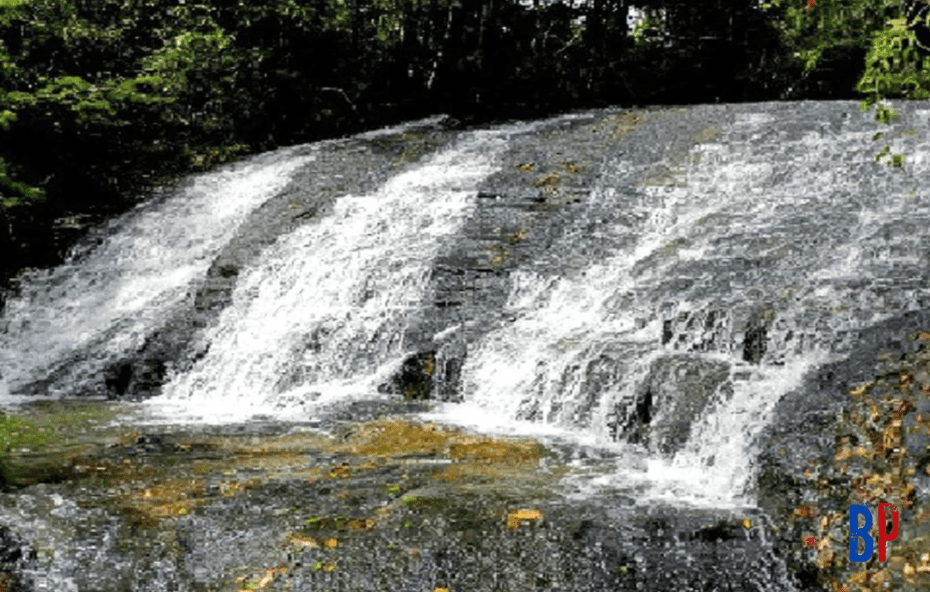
<point>189,54</point>
<point>825,41</point>
<point>14,193</point>
<point>895,68</point>
<point>85,100</point>
<point>650,29</point>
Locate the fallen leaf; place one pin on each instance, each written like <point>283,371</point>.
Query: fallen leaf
<point>824,559</point>
<point>514,519</point>
<point>805,511</point>
<point>342,471</point>
<point>861,389</point>
<point>859,577</point>
<point>547,180</point>
<point>303,541</point>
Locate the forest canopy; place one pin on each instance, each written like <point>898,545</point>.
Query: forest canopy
<point>101,99</point>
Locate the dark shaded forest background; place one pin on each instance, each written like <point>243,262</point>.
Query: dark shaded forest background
<point>102,100</point>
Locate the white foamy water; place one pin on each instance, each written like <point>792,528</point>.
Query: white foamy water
<point>580,345</point>
<point>322,316</point>
<point>76,317</point>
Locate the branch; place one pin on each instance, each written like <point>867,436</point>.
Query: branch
<point>342,93</point>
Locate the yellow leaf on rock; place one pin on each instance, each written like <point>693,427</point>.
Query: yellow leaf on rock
<point>515,518</point>
<point>331,543</point>
<point>805,511</point>
<point>858,577</point>
<point>341,472</point>
<point>841,455</point>
<point>747,523</point>
<point>861,389</point>
<point>824,559</point>
<point>303,541</point>
<point>547,180</point>
<point>527,514</point>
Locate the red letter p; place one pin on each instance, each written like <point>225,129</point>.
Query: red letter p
<point>883,536</point>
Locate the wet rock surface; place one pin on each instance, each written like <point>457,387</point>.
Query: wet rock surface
<point>677,390</point>
<point>863,442</point>
<point>387,504</point>
<point>653,278</point>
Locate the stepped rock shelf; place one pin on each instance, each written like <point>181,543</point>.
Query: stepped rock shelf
<point>606,351</point>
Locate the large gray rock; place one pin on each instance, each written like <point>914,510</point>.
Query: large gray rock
<point>677,392</point>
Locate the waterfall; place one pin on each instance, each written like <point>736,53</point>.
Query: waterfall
<point>748,258</point>
<point>322,317</point>
<point>69,322</point>
<point>735,253</point>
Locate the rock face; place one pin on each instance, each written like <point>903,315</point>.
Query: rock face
<point>676,392</point>
<point>801,476</point>
<point>415,379</point>
<point>16,556</point>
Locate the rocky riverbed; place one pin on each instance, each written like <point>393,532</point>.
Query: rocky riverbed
<point>386,504</point>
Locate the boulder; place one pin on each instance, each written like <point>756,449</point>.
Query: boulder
<point>674,394</point>
<point>415,377</point>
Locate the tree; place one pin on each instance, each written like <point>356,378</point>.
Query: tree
<point>898,62</point>
<point>897,66</point>
<point>824,43</point>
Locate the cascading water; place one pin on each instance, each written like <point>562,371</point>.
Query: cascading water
<point>323,315</point>
<point>746,260</point>
<point>736,264</point>
<point>70,322</point>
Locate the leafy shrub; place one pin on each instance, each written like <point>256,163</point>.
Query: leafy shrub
<point>895,66</point>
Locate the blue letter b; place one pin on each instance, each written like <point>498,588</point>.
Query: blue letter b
<point>855,533</point>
